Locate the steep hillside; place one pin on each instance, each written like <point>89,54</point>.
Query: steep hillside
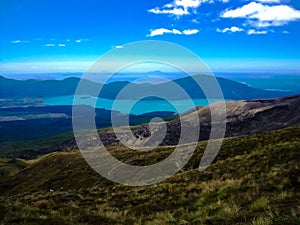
<point>254,180</point>
<point>243,117</point>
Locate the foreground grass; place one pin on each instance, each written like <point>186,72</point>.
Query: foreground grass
<point>254,180</point>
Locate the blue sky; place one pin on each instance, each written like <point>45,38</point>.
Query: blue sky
<point>229,35</point>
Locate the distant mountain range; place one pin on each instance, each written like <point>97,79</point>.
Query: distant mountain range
<point>10,88</point>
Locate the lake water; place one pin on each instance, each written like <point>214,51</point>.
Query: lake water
<point>131,106</point>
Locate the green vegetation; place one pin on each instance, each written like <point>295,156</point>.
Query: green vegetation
<point>10,167</point>
<point>7,148</point>
<point>255,180</point>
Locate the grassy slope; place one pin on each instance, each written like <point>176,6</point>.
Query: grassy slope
<point>10,167</point>
<point>7,148</point>
<point>254,180</point>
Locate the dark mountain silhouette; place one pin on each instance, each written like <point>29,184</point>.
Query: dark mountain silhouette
<point>10,88</point>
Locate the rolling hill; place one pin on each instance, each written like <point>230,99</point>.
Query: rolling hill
<point>254,180</point>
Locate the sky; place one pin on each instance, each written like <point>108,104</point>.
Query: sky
<point>229,35</point>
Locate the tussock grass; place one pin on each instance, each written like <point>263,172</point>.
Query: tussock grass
<point>254,180</point>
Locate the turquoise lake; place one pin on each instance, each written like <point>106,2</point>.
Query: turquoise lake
<point>131,106</point>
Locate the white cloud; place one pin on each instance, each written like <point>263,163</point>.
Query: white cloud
<point>61,45</point>
<point>231,29</point>
<point>195,21</point>
<point>49,45</point>
<point>18,41</point>
<point>180,7</point>
<point>174,11</point>
<point>162,31</point>
<point>190,32</point>
<point>277,13</point>
<point>81,40</point>
<point>119,46</point>
<point>251,31</point>
<point>244,11</point>
<point>188,3</point>
<point>269,1</point>
<point>260,15</point>
<point>175,31</point>
<point>257,23</point>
